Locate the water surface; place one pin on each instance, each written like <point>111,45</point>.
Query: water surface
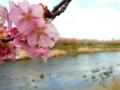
<point>61,73</point>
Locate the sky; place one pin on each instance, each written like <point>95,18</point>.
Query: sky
<point>85,19</point>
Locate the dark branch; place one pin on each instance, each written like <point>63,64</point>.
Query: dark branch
<point>63,8</point>
<point>57,10</point>
<point>7,39</point>
<point>58,6</point>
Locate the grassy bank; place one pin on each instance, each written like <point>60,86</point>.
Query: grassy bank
<point>59,50</point>
<point>63,50</point>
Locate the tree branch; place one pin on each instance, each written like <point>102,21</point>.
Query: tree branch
<point>58,9</point>
<point>62,9</point>
<point>7,39</point>
<point>58,6</point>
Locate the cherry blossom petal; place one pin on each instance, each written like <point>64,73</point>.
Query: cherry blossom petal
<point>19,39</point>
<point>51,31</point>
<point>15,16</point>
<point>36,10</point>
<point>18,56</point>
<point>41,53</point>
<point>35,56</point>
<point>10,56</point>
<point>41,41</point>
<point>31,39</point>
<point>24,5</point>
<point>26,27</point>
<point>44,58</point>
<point>12,4</point>
<point>9,25</point>
<point>42,50</point>
<point>50,42</point>
<point>28,48</point>
<point>40,22</point>
<point>13,32</point>
<point>46,53</point>
<point>3,14</point>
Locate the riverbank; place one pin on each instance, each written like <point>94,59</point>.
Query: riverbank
<point>82,50</point>
<point>66,50</point>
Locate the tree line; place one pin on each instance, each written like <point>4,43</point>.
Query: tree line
<point>64,41</point>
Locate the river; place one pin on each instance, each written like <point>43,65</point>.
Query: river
<point>60,73</point>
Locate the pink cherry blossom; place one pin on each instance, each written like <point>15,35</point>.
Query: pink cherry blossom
<point>3,14</point>
<point>9,51</point>
<point>13,32</point>
<point>25,14</point>
<point>4,17</point>
<point>45,35</point>
<point>20,39</point>
<point>43,53</point>
<point>12,4</point>
<point>13,52</point>
<point>32,51</point>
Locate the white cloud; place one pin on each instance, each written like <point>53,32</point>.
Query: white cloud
<point>100,23</point>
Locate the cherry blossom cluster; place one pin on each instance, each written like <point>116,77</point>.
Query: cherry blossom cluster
<point>30,28</point>
<point>7,50</point>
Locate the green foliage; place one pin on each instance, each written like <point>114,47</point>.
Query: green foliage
<point>80,45</point>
